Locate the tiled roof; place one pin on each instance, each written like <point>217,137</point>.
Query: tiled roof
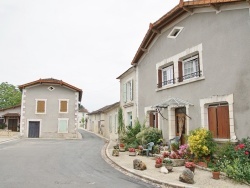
<point>11,107</point>
<point>105,108</point>
<point>180,9</point>
<point>51,81</point>
<point>11,115</point>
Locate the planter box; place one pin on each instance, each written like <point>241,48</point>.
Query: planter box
<point>178,162</point>
<point>133,153</point>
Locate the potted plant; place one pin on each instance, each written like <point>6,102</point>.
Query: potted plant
<point>216,172</point>
<point>190,165</point>
<point>131,152</point>
<point>121,147</point>
<point>168,164</point>
<point>158,162</point>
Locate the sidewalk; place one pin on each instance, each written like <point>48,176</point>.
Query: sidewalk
<point>7,139</point>
<point>202,178</point>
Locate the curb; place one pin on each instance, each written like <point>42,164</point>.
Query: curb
<point>136,176</point>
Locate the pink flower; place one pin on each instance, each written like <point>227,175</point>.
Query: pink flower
<point>247,152</point>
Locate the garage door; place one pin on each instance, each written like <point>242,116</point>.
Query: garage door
<point>34,129</point>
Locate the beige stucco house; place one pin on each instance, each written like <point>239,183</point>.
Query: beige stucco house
<point>128,95</point>
<point>49,109</point>
<point>104,121</point>
<point>192,70</point>
<point>11,117</point>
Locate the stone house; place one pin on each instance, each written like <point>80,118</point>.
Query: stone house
<point>104,121</point>
<point>192,70</point>
<point>128,96</point>
<point>49,109</point>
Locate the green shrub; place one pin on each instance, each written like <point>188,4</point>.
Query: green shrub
<point>129,136</point>
<point>149,134</point>
<point>234,160</point>
<point>2,125</point>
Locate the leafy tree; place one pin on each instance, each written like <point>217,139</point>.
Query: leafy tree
<point>9,95</point>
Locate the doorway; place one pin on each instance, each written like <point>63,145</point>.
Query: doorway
<point>34,129</point>
<point>180,124</point>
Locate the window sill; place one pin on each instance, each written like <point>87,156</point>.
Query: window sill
<point>181,83</point>
<point>128,104</point>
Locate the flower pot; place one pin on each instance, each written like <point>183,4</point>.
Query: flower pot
<point>131,153</point>
<point>216,175</point>
<point>158,165</point>
<point>169,167</point>
<point>122,148</point>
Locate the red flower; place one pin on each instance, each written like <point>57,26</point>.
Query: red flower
<point>247,152</point>
<point>131,149</point>
<point>158,160</point>
<point>240,146</point>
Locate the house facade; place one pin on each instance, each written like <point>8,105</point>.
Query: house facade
<point>104,121</point>
<point>128,96</point>
<point>82,118</point>
<point>49,109</point>
<point>193,70</point>
<point>11,117</point>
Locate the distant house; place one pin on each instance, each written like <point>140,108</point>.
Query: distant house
<point>49,109</point>
<point>192,70</point>
<point>11,117</point>
<point>104,121</point>
<point>128,95</point>
<point>82,117</point>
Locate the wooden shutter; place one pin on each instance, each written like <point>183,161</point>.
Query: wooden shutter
<point>151,119</point>
<point>131,90</point>
<point>223,122</point>
<point>63,106</point>
<point>156,120</point>
<point>180,71</point>
<point>40,106</point>
<point>125,92</point>
<point>159,78</point>
<point>212,121</point>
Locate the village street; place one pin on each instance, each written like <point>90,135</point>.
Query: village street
<point>60,163</point>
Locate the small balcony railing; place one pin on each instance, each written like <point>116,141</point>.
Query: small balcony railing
<point>188,76</point>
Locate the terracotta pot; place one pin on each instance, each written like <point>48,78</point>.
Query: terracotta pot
<point>158,165</point>
<point>131,153</point>
<point>216,175</point>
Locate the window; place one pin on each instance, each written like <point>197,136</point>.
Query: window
<point>63,125</point>
<point>63,105</point>
<point>189,68</point>
<point>128,91</point>
<point>168,75</point>
<point>110,124</point>
<point>218,120</point>
<point>175,32</point>
<point>51,88</point>
<point>130,122</point>
<point>40,106</point>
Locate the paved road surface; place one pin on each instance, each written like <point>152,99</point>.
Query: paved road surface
<point>42,163</point>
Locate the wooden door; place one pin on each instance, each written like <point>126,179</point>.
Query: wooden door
<point>218,120</point>
<point>12,124</point>
<point>34,129</point>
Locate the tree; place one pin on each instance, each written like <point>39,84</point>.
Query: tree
<point>9,95</point>
<point>121,126</point>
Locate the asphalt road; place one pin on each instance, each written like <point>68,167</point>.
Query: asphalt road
<point>43,163</point>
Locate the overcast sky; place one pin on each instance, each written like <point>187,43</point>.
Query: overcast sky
<point>86,43</point>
